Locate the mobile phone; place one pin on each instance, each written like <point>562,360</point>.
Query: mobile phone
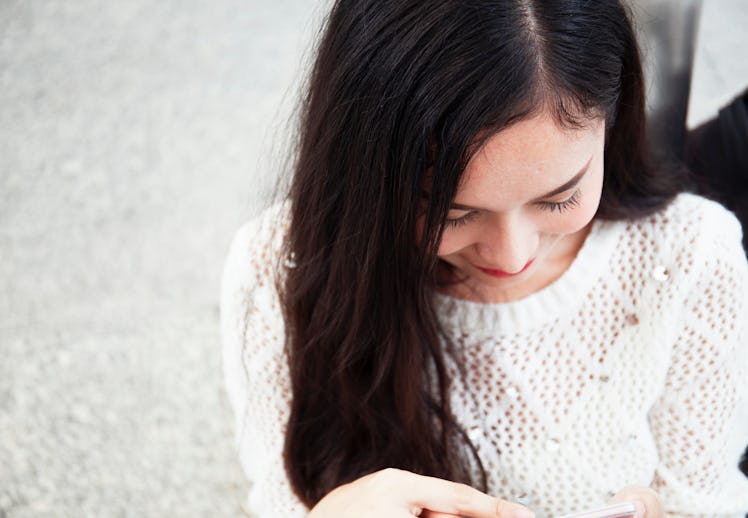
<point>626,510</point>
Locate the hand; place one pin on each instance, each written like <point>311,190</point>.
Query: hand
<point>645,500</point>
<point>393,493</point>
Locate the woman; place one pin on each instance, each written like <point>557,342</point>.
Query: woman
<point>479,278</point>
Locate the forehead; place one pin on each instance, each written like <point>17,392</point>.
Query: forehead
<point>527,159</point>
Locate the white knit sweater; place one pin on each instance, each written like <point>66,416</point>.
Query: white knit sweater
<point>631,368</point>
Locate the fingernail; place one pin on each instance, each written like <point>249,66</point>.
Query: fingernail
<point>641,509</point>
<point>523,512</point>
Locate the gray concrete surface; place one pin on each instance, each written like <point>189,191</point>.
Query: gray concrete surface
<point>134,138</point>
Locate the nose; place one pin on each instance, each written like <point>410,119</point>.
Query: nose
<point>508,243</point>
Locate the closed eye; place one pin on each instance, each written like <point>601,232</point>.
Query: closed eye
<point>462,220</point>
<point>551,206</point>
<point>561,206</point>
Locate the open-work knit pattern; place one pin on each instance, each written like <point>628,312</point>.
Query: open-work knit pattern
<point>630,368</point>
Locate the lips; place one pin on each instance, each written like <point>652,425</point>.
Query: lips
<point>502,273</point>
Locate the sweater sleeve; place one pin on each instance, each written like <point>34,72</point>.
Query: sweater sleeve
<point>699,422</point>
<point>255,368</point>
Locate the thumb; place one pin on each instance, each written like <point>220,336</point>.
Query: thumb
<point>645,500</point>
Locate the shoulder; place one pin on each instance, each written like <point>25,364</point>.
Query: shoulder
<point>249,301</point>
<point>693,232</point>
<point>693,214</point>
<point>255,254</point>
<point>691,248</point>
<point>251,319</point>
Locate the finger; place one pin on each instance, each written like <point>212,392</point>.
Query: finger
<point>447,497</point>
<point>645,500</point>
<point>433,514</point>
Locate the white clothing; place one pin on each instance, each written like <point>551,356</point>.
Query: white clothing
<point>631,368</point>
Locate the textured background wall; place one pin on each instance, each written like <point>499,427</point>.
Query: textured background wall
<point>135,137</point>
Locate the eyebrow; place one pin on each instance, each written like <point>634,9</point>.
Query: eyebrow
<point>558,190</point>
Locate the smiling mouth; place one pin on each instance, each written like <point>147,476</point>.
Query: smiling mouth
<point>502,273</point>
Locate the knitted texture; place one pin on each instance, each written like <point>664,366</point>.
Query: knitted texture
<point>630,368</point>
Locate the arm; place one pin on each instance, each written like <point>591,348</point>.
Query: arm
<point>699,422</point>
<point>254,367</point>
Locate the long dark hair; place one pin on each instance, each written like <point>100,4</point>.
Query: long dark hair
<point>399,88</point>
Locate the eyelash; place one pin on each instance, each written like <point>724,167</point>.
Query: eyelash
<point>562,206</point>
<point>551,206</point>
<point>454,223</point>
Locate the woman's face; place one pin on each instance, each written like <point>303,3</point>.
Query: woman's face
<point>524,208</point>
